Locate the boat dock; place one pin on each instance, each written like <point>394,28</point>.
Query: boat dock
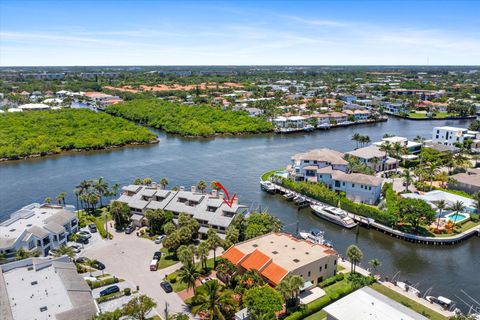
<point>371,224</point>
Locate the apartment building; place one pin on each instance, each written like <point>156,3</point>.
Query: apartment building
<point>44,289</point>
<point>450,135</point>
<point>276,255</point>
<point>208,208</point>
<point>41,227</point>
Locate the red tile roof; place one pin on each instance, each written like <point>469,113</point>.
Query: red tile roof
<point>234,255</point>
<point>274,273</point>
<point>256,260</point>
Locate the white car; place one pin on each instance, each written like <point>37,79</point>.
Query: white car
<point>76,248</point>
<point>159,239</point>
<point>85,234</point>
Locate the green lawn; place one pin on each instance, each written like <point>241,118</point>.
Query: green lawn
<point>438,115</point>
<point>417,307</point>
<point>339,268</point>
<point>338,286</point>
<point>179,285</point>
<point>268,174</point>
<point>320,315</point>
<point>167,259</point>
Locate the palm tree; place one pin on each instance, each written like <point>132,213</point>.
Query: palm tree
<point>355,255</point>
<point>101,187</point>
<point>476,197</point>
<point>430,170</point>
<point>284,289</point>
<point>441,205</point>
<point>375,263</point>
<point>407,174</point>
<point>65,251</point>
<point>356,138</point>
<point>214,301</point>
<point>202,253</point>
<point>214,186</point>
<point>61,198</point>
<point>186,253</point>
<point>188,274</point>
<point>117,210</point>
<point>164,182</point>
<point>77,192</point>
<point>295,283</point>
<point>115,188</point>
<point>48,200</point>
<point>457,207</point>
<point>214,242</point>
<point>201,185</point>
<point>147,181</point>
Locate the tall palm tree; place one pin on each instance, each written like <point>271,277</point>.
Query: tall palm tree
<point>476,197</point>
<point>48,200</point>
<point>115,188</point>
<point>188,274</point>
<point>430,170</point>
<point>441,205</point>
<point>214,301</point>
<point>101,187</point>
<point>355,255</point>
<point>295,283</point>
<point>457,207</point>
<point>164,182</point>
<point>375,263</point>
<point>214,186</point>
<point>65,251</point>
<point>186,253</point>
<point>356,138</point>
<point>202,253</point>
<point>407,175</point>
<point>77,192</point>
<point>214,242</point>
<point>117,210</point>
<point>61,198</point>
<point>201,185</point>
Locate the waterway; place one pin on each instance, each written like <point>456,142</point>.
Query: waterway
<point>238,162</point>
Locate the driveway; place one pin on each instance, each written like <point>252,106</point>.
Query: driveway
<point>128,257</point>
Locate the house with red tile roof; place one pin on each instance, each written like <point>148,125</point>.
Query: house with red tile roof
<point>275,255</point>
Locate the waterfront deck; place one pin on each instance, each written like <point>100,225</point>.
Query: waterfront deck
<point>371,224</point>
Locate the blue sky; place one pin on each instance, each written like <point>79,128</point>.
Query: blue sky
<point>239,32</point>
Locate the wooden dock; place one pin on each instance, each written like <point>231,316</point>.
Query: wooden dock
<point>371,224</point>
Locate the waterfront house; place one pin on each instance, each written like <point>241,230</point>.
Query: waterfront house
<point>434,196</point>
<point>208,209</point>
<point>374,158</point>
<point>395,108</point>
<point>411,146</point>
<point>368,304</point>
<point>468,181</point>
<point>450,135</point>
<point>330,168</point>
<point>277,255</point>
<point>41,227</point>
<point>36,288</point>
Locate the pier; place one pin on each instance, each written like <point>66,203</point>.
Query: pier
<point>371,224</point>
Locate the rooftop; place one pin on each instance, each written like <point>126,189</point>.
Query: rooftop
<point>323,155</point>
<point>368,304</point>
<point>369,152</point>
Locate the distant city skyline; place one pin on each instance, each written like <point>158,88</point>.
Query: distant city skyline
<point>89,33</point>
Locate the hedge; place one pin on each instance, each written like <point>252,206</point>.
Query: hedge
<point>332,280</point>
<point>101,283</point>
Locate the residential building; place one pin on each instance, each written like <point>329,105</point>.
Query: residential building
<point>412,147</point>
<point>357,187</point>
<point>209,209</point>
<point>374,158</point>
<point>395,108</point>
<point>368,304</point>
<point>295,122</point>
<point>434,196</point>
<point>276,255</point>
<point>451,135</point>
<point>468,181</point>
<point>44,289</point>
<point>39,227</point>
<point>330,168</point>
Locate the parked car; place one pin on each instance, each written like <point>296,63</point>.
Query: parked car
<point>85,234</point>
<point>206,279</point>
<point>82,240</point>
<point>98,265</point>
<point>130,229</point>
<point>157,255</point>
<point>109,290</point>
<point>159,239</point>
<point>167,287</point>
<point>92,227</point>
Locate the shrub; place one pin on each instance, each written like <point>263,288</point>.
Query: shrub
<point>101,283</point>
<point>127,291</point>
<point>332,280</point>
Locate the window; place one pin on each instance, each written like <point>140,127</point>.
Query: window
<point>343,184</point>
<point>353,185</point>
<point>42,309</point>
<point>31,244</point>
<point>320,268</point>
<point>326,266</point>
<point>309,273</point>
<point>335,262</point>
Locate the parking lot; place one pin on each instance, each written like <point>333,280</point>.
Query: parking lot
<point>128,257</point>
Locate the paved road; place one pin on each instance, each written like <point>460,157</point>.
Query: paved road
<point>128,257</point>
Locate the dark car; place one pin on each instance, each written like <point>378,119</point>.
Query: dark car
<point>82,260</point>
<point>82,240</point>
<point>157,255</point>
<point>129,229</point>
<point>98,265</point>
<point>166,287</point>
<point>92,227</point>
<point>109,290</point>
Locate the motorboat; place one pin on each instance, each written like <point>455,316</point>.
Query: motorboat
<point>267,186</point>
<point>324,126</point>
<point>308,127</point>
<point>289,196</point>
<point>299,200</point>
<point>315,236</point>
<point>408,287</point>
<point>335,215</point>
<point>441,301</point>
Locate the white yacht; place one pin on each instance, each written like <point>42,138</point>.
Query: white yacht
<point>267,186</point>
<point>315,236</point>
<point>335,215</point>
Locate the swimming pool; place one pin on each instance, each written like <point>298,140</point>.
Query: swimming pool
<point>456,218</point>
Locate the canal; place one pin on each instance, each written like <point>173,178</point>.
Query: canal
<point>238,162</point>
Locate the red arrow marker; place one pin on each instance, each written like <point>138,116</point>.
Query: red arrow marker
<point>228,201</point>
